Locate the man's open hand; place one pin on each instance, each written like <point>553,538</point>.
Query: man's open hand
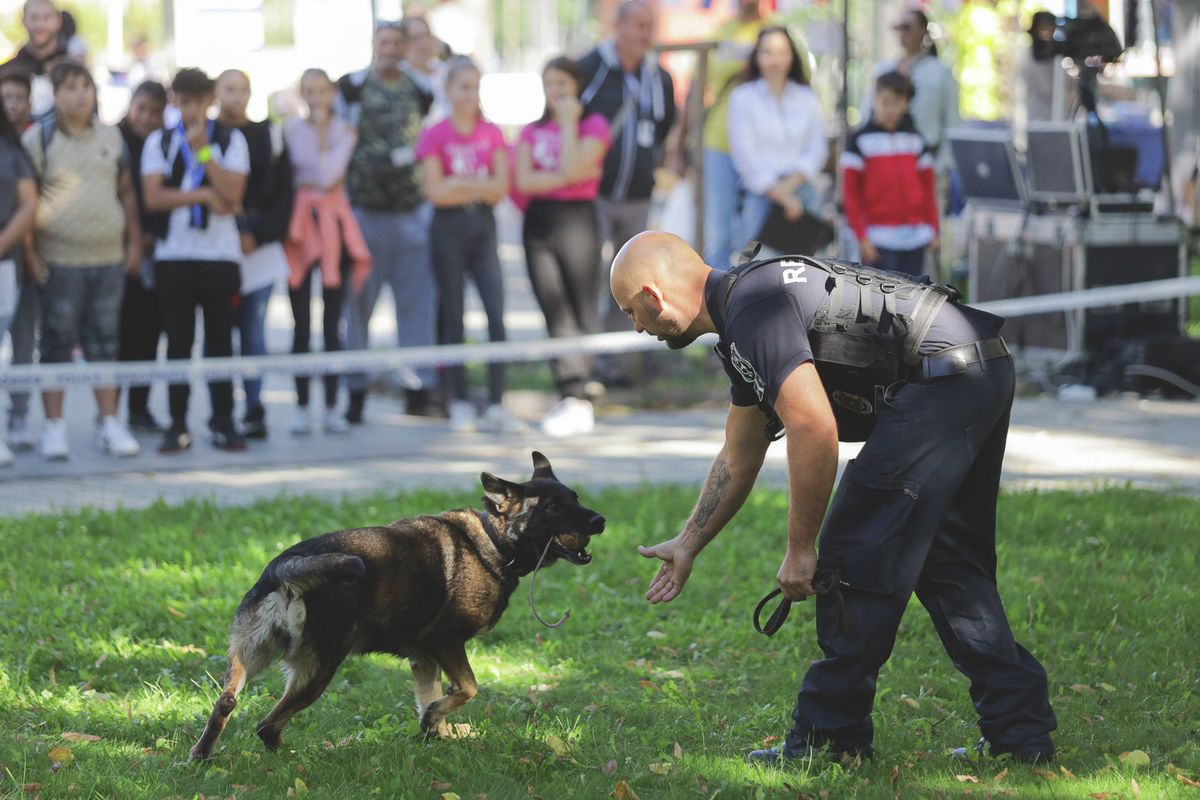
<point>673,574</point>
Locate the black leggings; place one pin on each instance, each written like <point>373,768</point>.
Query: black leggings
<point>141,325</point>
<point>214,286</point>
<point>463,242</point>
<point>562,251</point>
<point>331,320</point>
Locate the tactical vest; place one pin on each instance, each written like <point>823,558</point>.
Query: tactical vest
<point>859,350</point>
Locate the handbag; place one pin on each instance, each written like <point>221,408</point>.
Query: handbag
<point>805,236</point>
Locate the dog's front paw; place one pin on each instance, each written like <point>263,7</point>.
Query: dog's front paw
<point>271,738</point>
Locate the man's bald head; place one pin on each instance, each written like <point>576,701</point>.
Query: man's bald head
<point>658,280</point>
<point>653,257</point>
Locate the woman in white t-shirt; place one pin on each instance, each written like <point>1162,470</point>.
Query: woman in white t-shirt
<point>776,135</point>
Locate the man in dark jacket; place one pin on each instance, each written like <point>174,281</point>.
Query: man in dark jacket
<point>43,23</point>
<point>623,81</point>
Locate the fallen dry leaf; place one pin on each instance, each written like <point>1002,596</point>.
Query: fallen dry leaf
<point>909,701</point>
<point>449,796</point>
<point>656,634</point>
<point>1082,688</point>
<point>1135,758</point>
<point>660,768</point>
<point>1066,772</point>
<point>1108,687</point>
<point>72,736</point>
<point>623,792</point>
<point>1133,787</point>
<point>678,751</point>
<point>1101,795</point>
<point>31,788</point>
<point>1047,774</point>
<point>439,786</point>
<point>61,755</point>
<point>1186,781</point>
<point>999,776</point>
<point>966,779</point>
<point>556,744</point>
<point>300,786</point>
<point>175,612</point>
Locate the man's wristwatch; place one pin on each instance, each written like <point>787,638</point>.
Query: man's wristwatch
<point>204,154</point>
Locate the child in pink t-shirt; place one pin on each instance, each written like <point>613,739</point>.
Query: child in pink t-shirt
<point>465,172</point>
<point>559,160</point>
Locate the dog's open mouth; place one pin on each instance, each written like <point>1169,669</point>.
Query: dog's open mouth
<point>573,547</point>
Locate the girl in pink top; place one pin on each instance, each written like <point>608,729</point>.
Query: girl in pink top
<point>323,235</point>
<point>559,161</point>
<point>464,167</point>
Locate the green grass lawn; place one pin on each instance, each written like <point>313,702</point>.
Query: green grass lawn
<point>112,625</point>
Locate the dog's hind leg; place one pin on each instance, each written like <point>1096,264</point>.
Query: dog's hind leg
<point>235,680</point>
<point>305,684</point>
<point>453,661</point>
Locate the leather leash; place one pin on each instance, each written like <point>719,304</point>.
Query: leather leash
<point>825,581</point>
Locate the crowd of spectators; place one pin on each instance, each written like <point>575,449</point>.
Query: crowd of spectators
<point>114,237</point>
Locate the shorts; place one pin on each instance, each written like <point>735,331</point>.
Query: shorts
<point>82,305</point>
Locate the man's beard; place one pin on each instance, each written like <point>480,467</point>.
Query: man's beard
<point>679,340</point>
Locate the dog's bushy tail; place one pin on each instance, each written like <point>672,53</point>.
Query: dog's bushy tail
<point>304,573</point>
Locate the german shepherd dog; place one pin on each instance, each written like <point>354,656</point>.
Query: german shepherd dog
<point>418,588</point>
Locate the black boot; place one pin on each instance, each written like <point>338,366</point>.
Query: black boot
<point>254,424</point>
<point>354,411</point>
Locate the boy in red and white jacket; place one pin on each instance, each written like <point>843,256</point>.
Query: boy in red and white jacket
<point>888,183</point>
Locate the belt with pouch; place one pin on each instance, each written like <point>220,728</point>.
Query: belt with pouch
<point>955,360</point>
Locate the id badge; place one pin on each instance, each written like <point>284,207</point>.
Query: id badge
<point>403,156</point>
<point>645,133</point>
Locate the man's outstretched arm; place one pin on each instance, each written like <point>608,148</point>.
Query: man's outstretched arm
<point>729,481</point>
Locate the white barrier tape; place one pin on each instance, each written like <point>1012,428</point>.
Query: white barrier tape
<point>347,361</point>
<point>28,377</point>
<point>1101,297</point>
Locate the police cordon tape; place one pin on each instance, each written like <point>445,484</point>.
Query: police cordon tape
<point>43,376</point>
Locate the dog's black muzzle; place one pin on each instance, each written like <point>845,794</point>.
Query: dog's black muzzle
<point>573,546</point>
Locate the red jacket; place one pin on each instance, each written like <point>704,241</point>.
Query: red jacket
<point>888,180</point>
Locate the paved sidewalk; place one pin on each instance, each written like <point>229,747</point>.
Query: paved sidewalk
<point>1052,444</point>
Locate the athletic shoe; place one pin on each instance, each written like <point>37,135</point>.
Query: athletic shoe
<point>225,436</point>
<point>1027,754</point>
<point>6,455</point>
<point>498,419</point>
<point>175,440</point>
<point>20,435</point>
<point>569,417</point>
<point>144,422</point>
<point>54,440</point>
<point>115,439</point>
<point>301,422</point>
<point>254,424</point>
<point>335,422</point>
<point>784,754</point>
<point>462,416</point>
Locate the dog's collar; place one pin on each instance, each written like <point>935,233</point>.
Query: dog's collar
<point>514,565</point>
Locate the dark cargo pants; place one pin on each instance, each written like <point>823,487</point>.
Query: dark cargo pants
<point>916,511</point>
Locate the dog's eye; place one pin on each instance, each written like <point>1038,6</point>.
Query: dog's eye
<point>551,505</point>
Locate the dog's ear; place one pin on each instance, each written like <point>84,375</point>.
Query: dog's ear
<point>541,467</point>
<point>499,495</point>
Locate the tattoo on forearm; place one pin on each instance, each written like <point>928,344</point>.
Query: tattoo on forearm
<point>710,499</point>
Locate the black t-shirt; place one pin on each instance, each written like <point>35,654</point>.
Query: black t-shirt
<point>772,308</point>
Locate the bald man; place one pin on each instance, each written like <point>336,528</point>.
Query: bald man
<point>822,350</point>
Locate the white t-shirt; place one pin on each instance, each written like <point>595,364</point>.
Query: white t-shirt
<point>220,240</point>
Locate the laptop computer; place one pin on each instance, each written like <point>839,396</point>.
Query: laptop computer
<point>988,167</point>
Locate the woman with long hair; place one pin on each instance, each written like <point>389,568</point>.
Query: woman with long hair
<point>465,170</point>
<point>559,161</point>
<point>323,235</point>
<point>776,135</point>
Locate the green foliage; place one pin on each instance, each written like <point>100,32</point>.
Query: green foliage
<point>113,625</point>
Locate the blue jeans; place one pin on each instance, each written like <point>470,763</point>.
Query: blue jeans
<point>911,262</point>
<point>252,333</point>
<point>722,193</point>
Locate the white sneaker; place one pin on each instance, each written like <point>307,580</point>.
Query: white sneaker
<point>54,440</point>
<point>115,439</point>
<point>6,455</point>
<point>498,419</point>
<point>301,421</point>
<point>462,416</point>
<point>20,435</point>
<point>569,417</point>
<point>335,421</point>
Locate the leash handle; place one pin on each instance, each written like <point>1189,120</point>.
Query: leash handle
<point>778,616</point>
